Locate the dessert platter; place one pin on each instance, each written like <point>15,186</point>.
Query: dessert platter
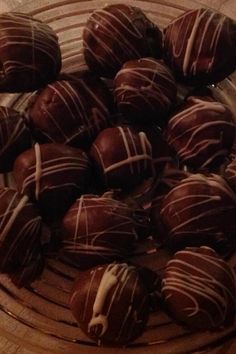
<point>117,178</point>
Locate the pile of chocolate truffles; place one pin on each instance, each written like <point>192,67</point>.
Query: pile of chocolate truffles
<point>99,169</point>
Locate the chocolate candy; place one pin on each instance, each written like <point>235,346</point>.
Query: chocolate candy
<point>52,175</point>
<point>98,230</point>
<point>145,90</point>
<point>195,46</point>
<point>199,289</point>
<point>199,211</point>
<point>14,137</point>
<point>202,132</point>
<point>20,230</point>
<point>122,156</point>
<point>29,53</point>
<point>71,111</point>
<point>110,303</point>
<point>116,34</point>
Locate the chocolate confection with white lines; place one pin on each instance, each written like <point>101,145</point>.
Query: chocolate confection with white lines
<point>122,157</point>
<point>30,55</point>
<point>118,33</point>
<point>20,230</point>
<point>110,303</point>
<point>195,46</point>
<point>199,289</point>
<point>71,111</point>
<point>199,211</point>
<point>99,229</point>
<point>145,90</point>
<point>15,137</point>
<point>53,176</point>
<point>201,132</point>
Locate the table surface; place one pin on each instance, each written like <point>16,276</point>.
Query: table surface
<point>228,7</point>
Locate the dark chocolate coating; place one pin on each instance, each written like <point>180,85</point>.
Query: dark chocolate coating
<point>122,157</point>
<point>110,303</point>
<point>200,46</point>
<point>15,137</point>
<point>118,33</point>
<point>202,132</point>
<point>168,180</point>
<point>199,211</point>
<point>53,176</point>
<point>30,55</point>
<point>145,90</point>
<point>71,111</point>
<point>199,289</point>
<point>97,230</point>
<point>20,230</point>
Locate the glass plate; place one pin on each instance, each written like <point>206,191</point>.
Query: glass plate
<point>37,319</point>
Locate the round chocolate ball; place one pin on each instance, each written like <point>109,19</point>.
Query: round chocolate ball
<point>195,46</point>
<point>110,303</point>
<point>145,90</point>
<point>122,157</point>
<point>118,33</point>
<point>29,53</point>
<point>20,230</point>
<point>168,180</point>
<point>97,230</point>
<point>199,211</point>
<point>199,289</point>
<point>14,137</point>
<point>53,176</point>
<point>71,111</point>
<point>202,132</point>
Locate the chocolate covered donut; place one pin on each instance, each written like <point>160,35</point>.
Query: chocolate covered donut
<point>71,111</point>
<point>110,303</point>
<point>118,33</point>
<point>30,55</point>
<point>201,133</point>
<point>199,289</point>
<point>195,46</point>
<point>145,91</point>
<point>122,157</point>
<point>97,230</point>
<point>15,137</point>
<point>52,175</point>
<point>199,211</point>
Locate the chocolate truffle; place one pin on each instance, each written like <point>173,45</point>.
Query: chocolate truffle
<point>14,137</point>
<point>71,111</point>
<point>100,229</point>
<point>110,304</point>
<point>122,156</point>
<point>145,90</point>
<point>199,289</point>
<point>202,132</point>
<point>118,33</point>
<point>168,180</point>
<point>30,55</point>
<point>52,175</point>
<point>199,211</point>
<point>20,230</point>
<point>195,46</point>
